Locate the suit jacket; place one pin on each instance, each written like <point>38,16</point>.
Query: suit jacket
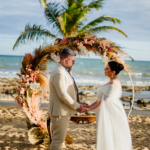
<point>63,93</point>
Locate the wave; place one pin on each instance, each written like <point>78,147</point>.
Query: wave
<point>89,82</point>
<point>102,82</point>
<point>90,73</point>
<point>137,74</point>
<point>8,72</point>
<point>121,74</point>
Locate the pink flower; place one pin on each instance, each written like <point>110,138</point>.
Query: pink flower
<point>64,41</point>
<point>80,44</point>
<point>108,45</point>
<point>91,42</point>
<point>100,45</point>
<point>85,41</point>
<point>22,91</point>
<point>75,42</point>
<point>27,76</point>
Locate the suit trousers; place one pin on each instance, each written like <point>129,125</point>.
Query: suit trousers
<point>59,131</point>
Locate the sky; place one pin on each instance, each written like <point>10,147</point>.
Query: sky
<point>134,16</point>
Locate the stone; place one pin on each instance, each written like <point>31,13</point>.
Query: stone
<point>142,101</point>
<point>87,93</point>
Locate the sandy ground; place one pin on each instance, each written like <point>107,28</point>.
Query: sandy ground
<point>13,131</point>
<point>13,128</point>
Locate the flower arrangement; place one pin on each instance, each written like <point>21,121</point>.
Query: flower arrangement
<point>86,42</point>
<point>29,96</point>
<point>33,71</point>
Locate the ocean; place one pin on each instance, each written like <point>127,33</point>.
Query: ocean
<point>85,71</point>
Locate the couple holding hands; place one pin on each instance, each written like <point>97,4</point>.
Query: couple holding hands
<point>113,131</point>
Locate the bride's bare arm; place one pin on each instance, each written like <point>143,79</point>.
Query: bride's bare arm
<point>94,106</point>
<point>91,104</point>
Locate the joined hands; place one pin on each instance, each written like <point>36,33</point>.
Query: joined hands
<point>84,107</point>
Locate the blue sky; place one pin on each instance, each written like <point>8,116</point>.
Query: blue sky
<point>15,14</point>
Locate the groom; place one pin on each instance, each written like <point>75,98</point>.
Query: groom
<point>64,98</point>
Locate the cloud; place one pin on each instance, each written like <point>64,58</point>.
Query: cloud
<point>19,8</point>
<point>15,14</point>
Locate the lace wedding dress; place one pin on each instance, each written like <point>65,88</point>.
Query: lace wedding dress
<point>113,131</point>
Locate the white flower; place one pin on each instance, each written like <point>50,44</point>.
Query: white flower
<point>105,59</point>
<point>76,52</point>
<point>55,57</point>
<point>34,85</point>
<point>83,50</point>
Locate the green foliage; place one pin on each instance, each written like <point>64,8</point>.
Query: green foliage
<point>32,33</point>
<point>106,28</point>
<point>67,20</point>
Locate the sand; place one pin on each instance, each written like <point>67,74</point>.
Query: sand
<point>13,131</point>
<point>13,128</point>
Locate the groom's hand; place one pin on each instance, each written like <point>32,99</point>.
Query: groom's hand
<point>81,109</point>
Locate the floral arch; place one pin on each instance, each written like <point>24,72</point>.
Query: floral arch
<point>33,71</point>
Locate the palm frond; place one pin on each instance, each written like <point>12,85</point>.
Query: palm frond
<point>32,33</point>
<point>52,13</point>
<point>80,3</point>
<point>67,16</point>
<point>77,22</point>
<point>99,20</point>
<point>78,14</point>
<point>95,4</point>
<point>106,28</point>
<point>69,2</point>
<point>43,3</point>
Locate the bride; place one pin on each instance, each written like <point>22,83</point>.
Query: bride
<point>113,131</point>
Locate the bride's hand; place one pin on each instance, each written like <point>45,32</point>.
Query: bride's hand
<point>84,104</point>
<point>87,106</point>
<point>87,109</point>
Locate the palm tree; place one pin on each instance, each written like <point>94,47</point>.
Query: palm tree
<point>67,20</point>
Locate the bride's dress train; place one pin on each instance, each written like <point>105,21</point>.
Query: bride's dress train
<point>113,131</point>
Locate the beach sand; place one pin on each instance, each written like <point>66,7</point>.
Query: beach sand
<point>13,128</point>
<point>13,131</point>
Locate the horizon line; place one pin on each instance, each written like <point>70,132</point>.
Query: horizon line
<point>78,57</point>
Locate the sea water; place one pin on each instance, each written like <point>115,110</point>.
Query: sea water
<point>85,71</point>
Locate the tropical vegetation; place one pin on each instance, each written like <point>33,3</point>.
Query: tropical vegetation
<point>67,20</point>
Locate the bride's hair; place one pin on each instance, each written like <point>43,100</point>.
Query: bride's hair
<point>115,66</point>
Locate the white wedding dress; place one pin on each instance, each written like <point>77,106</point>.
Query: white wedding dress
<point>113,131</point>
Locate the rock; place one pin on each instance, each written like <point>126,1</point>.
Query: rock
<point>137,89</point>
<point>142,101</point>
<point>87,87</point>
<point>131,96</point>
<point>126,99</point>
<point>87,98</point>
<point>87,93</point>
